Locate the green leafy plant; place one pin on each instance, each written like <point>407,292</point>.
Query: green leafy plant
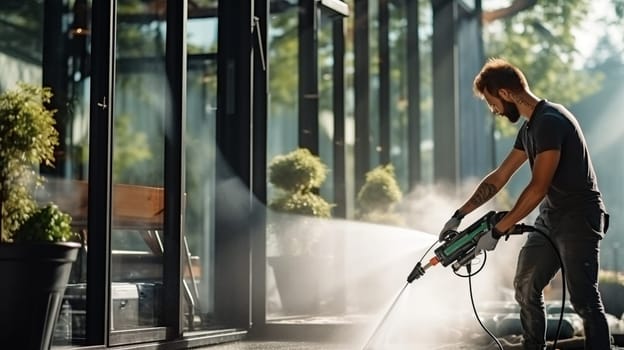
<point>27,139</point>
<point>47,223</point>
<point>297,175</point>
<point>379,195</point>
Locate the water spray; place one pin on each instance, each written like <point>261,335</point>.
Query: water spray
<point>458,249</point>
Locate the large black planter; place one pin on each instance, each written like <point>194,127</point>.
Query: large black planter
<point>612,294</point>
<point>33,277</point>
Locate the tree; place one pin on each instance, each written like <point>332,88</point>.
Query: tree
<point>537,36</point>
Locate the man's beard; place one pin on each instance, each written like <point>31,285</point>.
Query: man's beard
<point>510,111</point>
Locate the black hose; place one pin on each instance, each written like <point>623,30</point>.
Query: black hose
<point>520,229</point>
<point>474,308</point>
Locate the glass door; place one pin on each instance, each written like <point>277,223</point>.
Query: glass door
<point>142,135</point>
<point>200,146</point>
<point>138,169</point>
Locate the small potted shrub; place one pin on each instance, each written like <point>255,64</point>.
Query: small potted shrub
<point>611,286</point>
<point>378,197</point>
<point>36,251</point>
<point>297,176</point>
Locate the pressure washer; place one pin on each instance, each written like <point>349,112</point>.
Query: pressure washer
<point>458,249</point>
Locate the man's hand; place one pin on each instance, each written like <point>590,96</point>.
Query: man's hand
<point>451,225</point>
<point>488,241</point>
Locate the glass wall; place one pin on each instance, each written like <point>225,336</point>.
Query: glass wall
<point>298,253</point>
<point>138,168</point>
<point>282,119</point>
<point>399,126</point>
<point>49,43</point>
<point>326,90</point>
<point>199,228</point>
<point>324,250</point>
<point>283,81</point>
<point>374,85</point>
<point>425,19</point>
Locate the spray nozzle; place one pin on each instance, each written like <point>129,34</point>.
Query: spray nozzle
<point>418,271</point>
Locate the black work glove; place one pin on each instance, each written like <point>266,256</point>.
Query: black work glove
<point>488,241</point>
<point>451,225</point>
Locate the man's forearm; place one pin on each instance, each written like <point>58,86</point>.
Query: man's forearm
<point>529,199</point>
<point>484,192</point>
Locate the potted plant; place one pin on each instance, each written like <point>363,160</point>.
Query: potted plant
<point>297,258</point>
<point>378,197</point>
<point>611,286</point>
<point>35,249</point>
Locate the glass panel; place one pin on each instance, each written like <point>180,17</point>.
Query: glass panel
<point>349,68</point>
<point>72,178</point>
<point>200,170</point>
<point>399,128</point>
<point>283,80</point>
<point>282,132</point>
<point>326,112</point>
<point>425,19</point>
<point>138,167</point>
<point>300,256</point>
<point>373,76</point>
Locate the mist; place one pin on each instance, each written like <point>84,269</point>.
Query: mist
<point>371,263</point>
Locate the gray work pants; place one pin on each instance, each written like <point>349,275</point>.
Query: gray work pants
<point>577,237</point>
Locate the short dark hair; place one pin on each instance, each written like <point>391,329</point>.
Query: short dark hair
<point>498,74</point>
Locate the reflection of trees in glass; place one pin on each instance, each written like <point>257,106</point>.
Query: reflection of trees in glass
<point>283,81</point>
<point>283,55</point>
<point>21,24</point>
<point>140,94</point>
<point>131,147</point>
<point>326,62</point>
<point>141,39</point>
<point>397,40</point>
<point>25,14</point>
<point>200,153</point>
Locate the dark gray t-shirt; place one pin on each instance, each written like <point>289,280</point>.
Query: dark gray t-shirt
<point>574,185</point>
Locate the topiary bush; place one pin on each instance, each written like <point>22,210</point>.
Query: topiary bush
<point>297,176</point>
<point>379,195</point>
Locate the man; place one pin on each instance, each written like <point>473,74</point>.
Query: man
<point>571,212</point>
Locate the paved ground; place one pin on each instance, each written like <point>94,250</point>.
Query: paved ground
<point>249,345</point>
<point>571,344</point>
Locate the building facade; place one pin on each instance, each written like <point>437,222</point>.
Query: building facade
<point>169,113</point>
